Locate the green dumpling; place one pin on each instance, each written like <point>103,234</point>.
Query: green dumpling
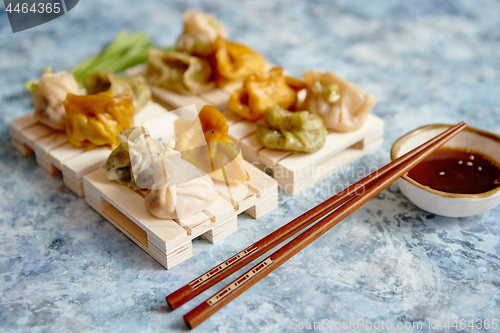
<point>297,131</point>
<point>179,72</point>
<point>135,86</point>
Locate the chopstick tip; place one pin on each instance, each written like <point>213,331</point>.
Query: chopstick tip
<point>187,323</point>
<point>170,307</point>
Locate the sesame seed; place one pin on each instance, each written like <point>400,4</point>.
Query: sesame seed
<point>471,157</point>
<point>469,163</point>
<point>460,162</point>
<point>441,173</point>
<point>479,168</point>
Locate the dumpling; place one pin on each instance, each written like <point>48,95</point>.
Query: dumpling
<point>343,106</point>
<point>234,61</point>
<point>96,120</point>
<point>298,131</point>
<point>180,189</point>
<point>104,80</point>
<point>48,96</point>
<point>205,143</point>
<point>130,164</point>
<point>200,34</point>
<point>179,72</point>
<point>261,91</point>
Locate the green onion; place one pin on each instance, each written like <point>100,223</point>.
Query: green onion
<point>123,52</point>
<point>198,43</point>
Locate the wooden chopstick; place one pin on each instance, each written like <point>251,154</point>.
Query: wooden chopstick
<point>231,265</point>
<point>373,185</point>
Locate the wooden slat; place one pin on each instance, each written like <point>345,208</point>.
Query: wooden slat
<point>59,155</point>
<point>81,164</point>
<point>32,133</point>
<point>74,185</point>
<point>25,150</point>
<point>327,167</point>
<point>150,111</point>
<point>299,164</point>
<point>45,164</point>
<point>132,205</point>
<point>260,182</point>
<point>240,130</point>
<point>220,210</point>
<point>221,231</point>
<point>167,241</point>
<point>250,147</point>
<point>194,223</point>
<point>217,98</point>
<point>272,157</point>
<point>177,100</point>
<point>231,117</point>
<point>17,125</point>
<point>44,145</point>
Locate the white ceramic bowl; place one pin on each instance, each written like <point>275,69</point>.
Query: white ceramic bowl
<point>444,203</point>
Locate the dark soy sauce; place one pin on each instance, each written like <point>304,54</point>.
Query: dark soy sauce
<point>457,171</point>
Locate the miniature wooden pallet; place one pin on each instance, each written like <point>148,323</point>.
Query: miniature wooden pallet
<point>294,171</point>
<point>168,241</point>
<point>55,154</point>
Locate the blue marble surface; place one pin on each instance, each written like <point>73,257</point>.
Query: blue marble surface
<point>63,268</point>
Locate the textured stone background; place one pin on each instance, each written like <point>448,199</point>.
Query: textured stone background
<point>64,268</point>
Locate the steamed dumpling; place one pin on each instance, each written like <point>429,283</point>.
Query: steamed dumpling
<point>105,80</point>
<point>180,189</point>
<point>297,131</point>
<point>179,72</point>
<point>48,96</point>
<point>200,34</point>
<point>343,106</point>
<point>130,164</point>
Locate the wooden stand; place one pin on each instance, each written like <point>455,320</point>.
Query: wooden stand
<point>168,241</point>
<point>55,154</point>
<point>296,172</point>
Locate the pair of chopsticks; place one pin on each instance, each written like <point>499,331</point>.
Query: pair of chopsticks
<point>342,204</point>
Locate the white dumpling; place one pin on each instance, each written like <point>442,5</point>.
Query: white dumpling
<point>130,164</point>
<point>201,31</point>
<point>343,106</point>
<point>48,96</point>
<point>180,189</point>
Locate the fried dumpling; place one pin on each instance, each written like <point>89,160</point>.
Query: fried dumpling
<point>135,86</point>
<point>48,96</point>
<point>179,72</point>
<point>343,106</point>
<point>130,164</point>
<point>234,61</point>
<point>200,33</point>
<point>96,120</point>
<point>261,91</point>
<point>180,189</point>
